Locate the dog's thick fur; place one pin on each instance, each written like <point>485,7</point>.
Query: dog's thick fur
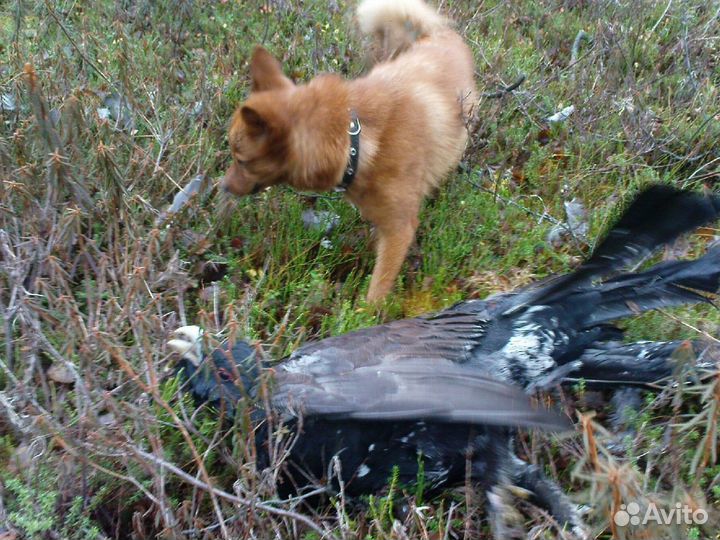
<point>413,109</point>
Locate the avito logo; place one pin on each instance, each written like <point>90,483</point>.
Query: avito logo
<point>630,514</point>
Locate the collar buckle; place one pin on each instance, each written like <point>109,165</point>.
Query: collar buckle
<point>354,154</point>
<point>355,127</point>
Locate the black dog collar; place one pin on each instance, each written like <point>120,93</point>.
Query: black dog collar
<point>354,156</point>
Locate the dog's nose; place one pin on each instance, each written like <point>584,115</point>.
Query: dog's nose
<point>224,186</point>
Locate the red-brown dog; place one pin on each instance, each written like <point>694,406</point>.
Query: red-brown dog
<point>386,139</point>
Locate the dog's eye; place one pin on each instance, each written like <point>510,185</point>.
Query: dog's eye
<point>235,157</point>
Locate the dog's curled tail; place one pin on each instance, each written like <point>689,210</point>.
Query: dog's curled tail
<point>398,23</point>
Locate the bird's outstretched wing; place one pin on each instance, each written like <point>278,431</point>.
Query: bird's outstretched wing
<point>330,383</point>
<point>449,334</point>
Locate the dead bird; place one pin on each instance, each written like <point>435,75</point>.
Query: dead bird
<point>449,389</point>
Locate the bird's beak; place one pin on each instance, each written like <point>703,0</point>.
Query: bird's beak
<point>187,342</point>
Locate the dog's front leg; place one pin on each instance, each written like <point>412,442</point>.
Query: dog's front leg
<point>393,242</point>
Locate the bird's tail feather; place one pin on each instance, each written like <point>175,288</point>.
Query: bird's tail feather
<point>667,284</point>
<point>614,364</point>
<point>657,216</point>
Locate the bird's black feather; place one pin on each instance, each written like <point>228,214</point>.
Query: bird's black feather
<point>656,217</point>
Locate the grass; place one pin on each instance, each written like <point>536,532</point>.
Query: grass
<point>123,102</point>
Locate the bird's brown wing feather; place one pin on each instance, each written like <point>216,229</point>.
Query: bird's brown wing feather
<point>404,388</point>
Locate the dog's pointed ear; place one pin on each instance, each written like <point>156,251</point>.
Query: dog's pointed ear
<point>256,124</point>
<point>266,72</point>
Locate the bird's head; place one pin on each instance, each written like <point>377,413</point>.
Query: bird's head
<point>187,342</point>
<point>221,378</point>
